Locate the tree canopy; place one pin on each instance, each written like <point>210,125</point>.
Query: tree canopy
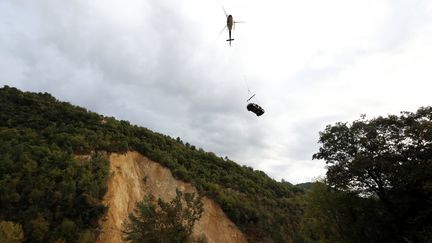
<point>11,232</point>
<point>163,222</point>
<point>389,158</point>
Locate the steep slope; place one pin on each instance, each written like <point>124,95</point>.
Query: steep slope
<point>262,208</point>
<point>134,176</point>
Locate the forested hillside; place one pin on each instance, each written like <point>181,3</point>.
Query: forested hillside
<point>54,196</point>
<point>378,186</point>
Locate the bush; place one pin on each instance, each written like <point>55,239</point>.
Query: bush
<point>162,221</point>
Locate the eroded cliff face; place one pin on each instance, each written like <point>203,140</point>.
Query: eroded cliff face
<point>133,176</point>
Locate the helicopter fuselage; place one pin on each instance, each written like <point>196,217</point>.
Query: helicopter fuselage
<point>230,22</point>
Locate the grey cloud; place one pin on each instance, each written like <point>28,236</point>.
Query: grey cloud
<point>306,133</point>
<point>405,19</point>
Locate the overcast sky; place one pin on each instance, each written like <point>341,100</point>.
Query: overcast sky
<point>162,64</point>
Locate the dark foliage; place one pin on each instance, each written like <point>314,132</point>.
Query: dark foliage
<point>389,159</point>
<point>44,189</point>
<point>337,216</point>
<point>306,185</point>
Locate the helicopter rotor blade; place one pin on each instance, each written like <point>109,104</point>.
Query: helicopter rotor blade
<point>226,15</point>
<point>238,22</point>
<point>222,30</point>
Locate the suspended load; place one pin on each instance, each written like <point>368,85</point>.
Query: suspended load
<point>258,110</point>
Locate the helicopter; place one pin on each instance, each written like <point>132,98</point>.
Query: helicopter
<point>230,24</point>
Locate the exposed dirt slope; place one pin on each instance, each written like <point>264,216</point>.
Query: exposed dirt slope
<point>133,176</point>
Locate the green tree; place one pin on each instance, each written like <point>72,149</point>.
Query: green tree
<point>39,228</point>
<point>389,158</point>
<point>11,232</point>
<point>163,221</point>
<point>332,215</point>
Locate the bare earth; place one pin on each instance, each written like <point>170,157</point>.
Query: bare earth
<point>133,176</point>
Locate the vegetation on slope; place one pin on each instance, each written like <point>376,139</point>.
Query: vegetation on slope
<point>379,181</point>
<point>43,185</point>
<point>43,188</point>
<point>377,189</point>
<point>159,221</point>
